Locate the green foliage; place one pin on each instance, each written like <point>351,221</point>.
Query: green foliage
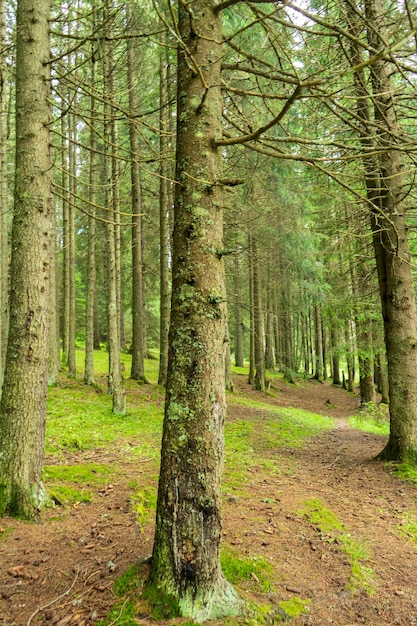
<point>239,570</point>
<point>327,522</point>
<point>372,419</point>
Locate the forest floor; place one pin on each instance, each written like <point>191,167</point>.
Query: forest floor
<point>324,526</point>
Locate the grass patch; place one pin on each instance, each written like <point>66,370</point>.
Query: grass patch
<point>81,419</point>
<point>254,571</point>
<point>372,419</point>
<point>408,528</point>
<point>63,481</point>
<point>327,522</point>
<point>404,471</point>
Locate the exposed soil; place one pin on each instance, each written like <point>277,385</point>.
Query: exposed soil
<point>61,572</point>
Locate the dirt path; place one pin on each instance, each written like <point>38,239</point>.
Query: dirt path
<point>68,564</point>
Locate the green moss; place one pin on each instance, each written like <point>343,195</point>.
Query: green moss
<point>129,581</point>
<point>320,517</point>
<point>163,605</point>
<point>254,570</point>
<point>122,614</point>
<point>143,501</point>
<point>69,484</point>
<point>295,606</point>
<point>404,471</point>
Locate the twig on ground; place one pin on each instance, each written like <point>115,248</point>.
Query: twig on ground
<point>45,606</point>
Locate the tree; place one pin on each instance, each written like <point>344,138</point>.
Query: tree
<point>23,404</point>
<point>185,567</point>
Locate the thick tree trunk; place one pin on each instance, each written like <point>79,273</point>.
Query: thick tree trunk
<point>185,567</point>
<point>23,404</point>
<point>386,193</point>
<point>4,200</point>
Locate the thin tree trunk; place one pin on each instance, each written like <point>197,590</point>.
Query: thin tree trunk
<point>72,367</point>
<point>164,291</point>
<point>260,381</point>
<point>318,339</point>
<point>251,377</point>
<point>91,267</point>
<point>138,321</point>
<point>269,335</point>
<point>114,376</point>
<point>239,358</point>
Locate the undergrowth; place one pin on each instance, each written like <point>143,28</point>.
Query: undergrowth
<point>371,419</point>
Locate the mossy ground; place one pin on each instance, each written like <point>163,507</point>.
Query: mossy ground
<point>277,458</point>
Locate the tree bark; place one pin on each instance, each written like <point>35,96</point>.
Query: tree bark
<point>115,385</point>
<point>4,200</point>
<point>138,320</point>
<point>23,404</point>
<point>386,192</point>
<point>238,320</point>
<point>185,567</point>
<point>91,267</point>
<point>164,196</point>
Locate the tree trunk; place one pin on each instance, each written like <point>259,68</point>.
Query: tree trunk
<point>138,321</point>
<point>318,342</point>
<point>115,386</point>
<point>164,291</point>
<point>334,339</point>
<point>260,381</point>
<point>91,267</point>
<point>4,200</point>
<point>23,404</point>
<point>72,367</point>
<point>386,193</point>
<point>251,376</point>
<point>239,358</point>
<point>269,335</point>
<point>185,567</point>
